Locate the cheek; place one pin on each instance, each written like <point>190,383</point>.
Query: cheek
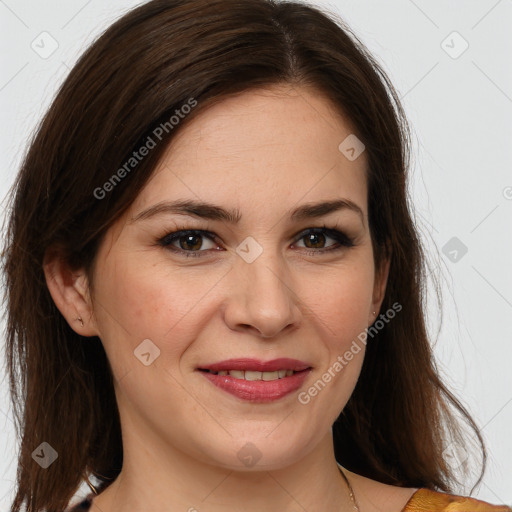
<point>136,301</point>
<point>343,300</point>
<point>169,305</point>
<point>139,300</point>
<point>340,311</point>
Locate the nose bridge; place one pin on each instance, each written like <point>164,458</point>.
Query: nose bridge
<point>264,299</point>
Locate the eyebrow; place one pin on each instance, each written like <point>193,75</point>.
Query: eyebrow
<point>213,212</point>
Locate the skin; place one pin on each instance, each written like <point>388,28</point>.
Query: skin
<point>264,152</point>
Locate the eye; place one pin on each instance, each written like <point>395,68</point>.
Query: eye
<point>315,238</point>
<point>191,242</point>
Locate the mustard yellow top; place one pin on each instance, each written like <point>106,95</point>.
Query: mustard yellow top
<point>425,500</point>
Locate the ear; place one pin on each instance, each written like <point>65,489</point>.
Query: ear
<point>379,287</point>
<point>70,292</point>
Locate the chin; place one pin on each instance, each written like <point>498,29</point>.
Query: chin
<point>259,452</point>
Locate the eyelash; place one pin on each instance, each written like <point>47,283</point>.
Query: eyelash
<point>340,237</point>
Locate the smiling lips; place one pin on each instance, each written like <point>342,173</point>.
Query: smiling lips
<point>257,381</point>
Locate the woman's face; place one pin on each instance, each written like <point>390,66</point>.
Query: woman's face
<point>263,287</point>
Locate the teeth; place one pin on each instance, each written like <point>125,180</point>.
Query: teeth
<point>252,375</point>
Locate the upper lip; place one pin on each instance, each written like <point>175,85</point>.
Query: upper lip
<point>256,365</point>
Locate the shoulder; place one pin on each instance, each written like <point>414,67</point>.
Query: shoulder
<point>375,496</point>
<point>425,500</point>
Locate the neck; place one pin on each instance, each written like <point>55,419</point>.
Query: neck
<point>178,481</point>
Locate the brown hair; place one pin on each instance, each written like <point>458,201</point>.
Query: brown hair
<point>131,80</point>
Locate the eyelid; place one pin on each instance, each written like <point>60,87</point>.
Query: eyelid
<point>334,233</point>
<point>172,236</point>
<point>343,240</point>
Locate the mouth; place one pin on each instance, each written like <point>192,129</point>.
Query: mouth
<point>257,381</point>
<point>251,375</point>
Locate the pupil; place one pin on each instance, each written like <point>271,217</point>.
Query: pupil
<point>311,237</point>
<point>190,245</point>
<point>312,240</point>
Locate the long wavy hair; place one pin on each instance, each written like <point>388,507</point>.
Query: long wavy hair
<point>130,80</point>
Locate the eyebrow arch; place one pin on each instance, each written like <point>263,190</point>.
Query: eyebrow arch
<point>213,212</point>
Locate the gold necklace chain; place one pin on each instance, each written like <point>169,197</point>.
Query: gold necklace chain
<point>350,490</point>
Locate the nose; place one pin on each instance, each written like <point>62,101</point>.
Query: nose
<point>261,298</point>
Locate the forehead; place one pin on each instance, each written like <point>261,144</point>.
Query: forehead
<point>272,148</point>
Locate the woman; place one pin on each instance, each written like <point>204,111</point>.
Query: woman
<point>214,283</point>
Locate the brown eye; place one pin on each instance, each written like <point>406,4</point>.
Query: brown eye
<point>316,238</point>
<point>188,242</point>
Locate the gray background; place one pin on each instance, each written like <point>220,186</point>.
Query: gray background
<point>459,104</point>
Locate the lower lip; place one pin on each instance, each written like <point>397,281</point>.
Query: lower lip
<point>258,390</point>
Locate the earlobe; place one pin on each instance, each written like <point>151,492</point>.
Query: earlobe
<point>70,292</point>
